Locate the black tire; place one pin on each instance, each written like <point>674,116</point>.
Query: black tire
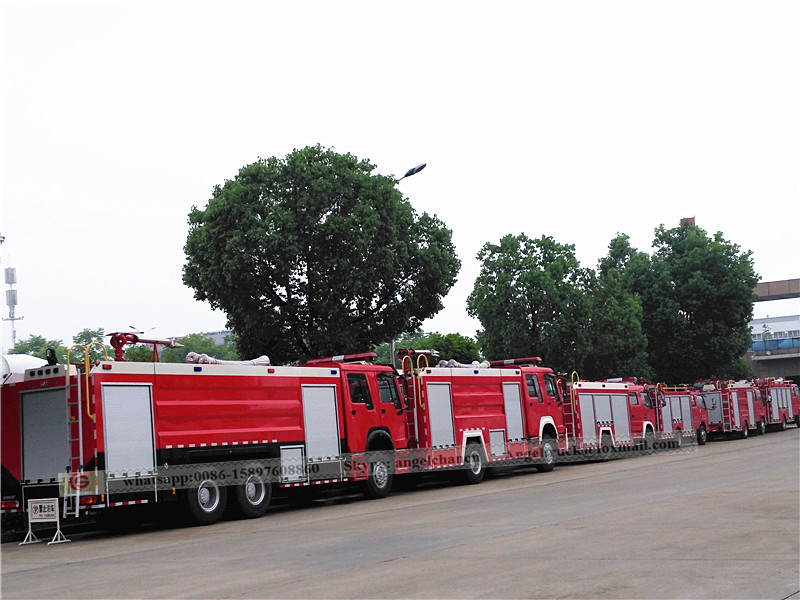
<point>678,438</point>
<point>252,497</point>
<point>549,454</point>
<point>606,447</point>
<point>797,420</point>
<point>206,503</point>
<point>783,423</point>
<point>474,465</point>
<point>745,431</point>
<point>702,435</point>
<point>379,480</point>
<point>649,441</point>
<point>762,427</point>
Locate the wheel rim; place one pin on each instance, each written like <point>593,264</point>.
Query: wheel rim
<point>475,463</point>
<point>703,434</point>
<point>547,451</point>
<point>254,490</point>
<point>208,496</point>
<point>380,474</point>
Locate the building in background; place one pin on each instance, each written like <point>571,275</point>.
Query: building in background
<point>775,351</point>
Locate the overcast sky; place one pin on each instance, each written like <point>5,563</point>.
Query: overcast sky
<point>576,120</point>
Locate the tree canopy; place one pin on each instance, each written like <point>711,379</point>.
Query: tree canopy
<point>37,345</point>
<point>459,347</point>
<point>697,299</point>
<point>618,344</point>
<point>530,299</point>
<point>197,342</point>
<point>313,255</point>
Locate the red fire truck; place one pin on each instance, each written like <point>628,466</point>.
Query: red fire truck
<point>782,400</point>
<point>680,411</point>
<point>607,415</point>
<point>212,435</point>
<point>502,413</point>
<point>131,433</point>
<point>734,408</point>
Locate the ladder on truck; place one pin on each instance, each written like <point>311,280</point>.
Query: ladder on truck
<point>728,419</point>
<point>412,387</point>
<point>570,419</point>
<point>74,481</point>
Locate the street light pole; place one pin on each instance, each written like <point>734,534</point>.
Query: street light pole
<point>409,173</point>
<point>413,171</point>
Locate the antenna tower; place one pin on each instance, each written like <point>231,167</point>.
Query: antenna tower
<point>11,302</point>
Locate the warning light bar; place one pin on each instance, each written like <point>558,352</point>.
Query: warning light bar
<point>532,360</point>
<point>345,358</point>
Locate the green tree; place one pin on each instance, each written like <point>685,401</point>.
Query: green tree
<point>37,345</point>
<point>89,338</point>
<point>451,345</point>
<point>618,344</point>
<point>197,342</point>
<point>697,300</point>
<point>530,299</point>
<point>313,255</point>
<point>138,353</point>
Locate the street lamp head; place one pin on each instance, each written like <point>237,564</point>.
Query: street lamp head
<point>413,171</point>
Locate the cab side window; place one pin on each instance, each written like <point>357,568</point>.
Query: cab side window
<point>359,390</point>
<point>646,400</point>
<point>632,399</point>
<point>388,390</point>
<point>551,387</point>
<point>533,387</point>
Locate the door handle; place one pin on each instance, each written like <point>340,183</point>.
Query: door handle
<point>352,411</point>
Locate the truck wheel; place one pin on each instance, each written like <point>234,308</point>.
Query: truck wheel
<point>379,481</point>
<point>762,427</point>
<point>474,465</point>
<point>797,419</point>
<point>783,423</point>
<point>678,438</point>
<point>206,503</point>
<point>702,435</point>
<point>649,441</point>
<point>549,453</point>
<point>252,497</point>
<point>745,431</point>
<point>606,447</point>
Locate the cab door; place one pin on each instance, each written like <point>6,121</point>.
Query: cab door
<point>544,400</point>
<point>372,401</point>
<point>554,402</point>
<point>535,403</point>
<point>392,411</point>
<point>361,413</point>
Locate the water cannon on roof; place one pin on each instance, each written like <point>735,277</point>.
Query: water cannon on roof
<point>120,339</point>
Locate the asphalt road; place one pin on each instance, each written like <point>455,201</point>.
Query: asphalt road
<point>720,521</point>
